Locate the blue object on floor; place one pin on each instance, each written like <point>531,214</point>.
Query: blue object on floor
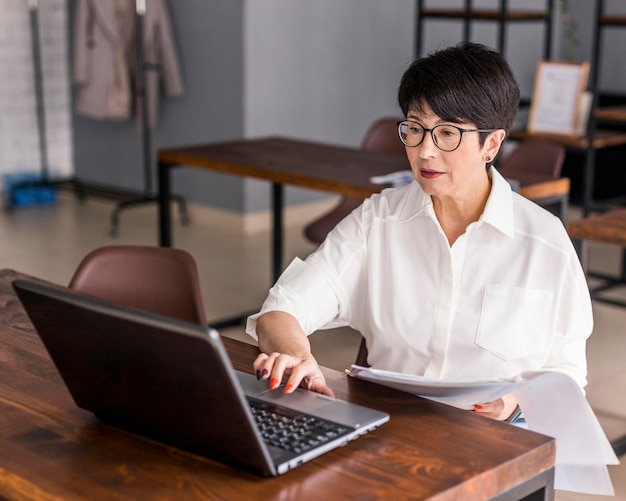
<point>27,188</point>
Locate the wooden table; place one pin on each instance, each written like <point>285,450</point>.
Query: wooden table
<point>52,450</point>
<point>335,169</point>
<point>610,228</point>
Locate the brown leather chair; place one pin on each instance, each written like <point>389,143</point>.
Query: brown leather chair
<point>156,279</point>
<point>540,157</point>
<point>381,137</point>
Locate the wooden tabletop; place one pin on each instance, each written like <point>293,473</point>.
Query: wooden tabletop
<point>326,167</point>
<point>321,166</point>
<point>609,227</point>
<point>51,450</point>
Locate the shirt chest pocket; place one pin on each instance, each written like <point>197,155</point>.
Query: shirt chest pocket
<point>515,322</point>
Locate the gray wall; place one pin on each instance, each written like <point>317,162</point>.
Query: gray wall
<point>320,70</point>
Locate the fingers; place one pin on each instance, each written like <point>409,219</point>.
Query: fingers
<point>301,371</point>
<point>312,380</point>
<point>499,409</point>
<point>259,366</point>
<point>491,410</point>
<point>272,367</point>
<point>320,387</point>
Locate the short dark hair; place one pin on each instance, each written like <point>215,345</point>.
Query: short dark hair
<point>468,82</point>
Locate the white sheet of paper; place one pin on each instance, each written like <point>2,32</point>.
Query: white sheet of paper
<point>553,405</point>
<point>458,394</point>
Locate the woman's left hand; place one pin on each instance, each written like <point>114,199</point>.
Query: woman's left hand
<point>499,409</point>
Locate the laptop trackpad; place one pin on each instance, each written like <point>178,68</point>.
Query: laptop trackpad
<point>306,401</point>
<point>250,385</point>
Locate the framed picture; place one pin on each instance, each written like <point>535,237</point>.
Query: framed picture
<point>558,98</point>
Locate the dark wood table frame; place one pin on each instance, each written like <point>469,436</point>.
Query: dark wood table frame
<point>52,450</point>
<point>334,169</point>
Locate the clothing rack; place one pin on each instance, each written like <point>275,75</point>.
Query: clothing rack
<point>147,197</point>
<point>125,198</point>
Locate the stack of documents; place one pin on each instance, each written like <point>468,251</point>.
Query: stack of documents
<point>395,178</point>
<point>553,405</point>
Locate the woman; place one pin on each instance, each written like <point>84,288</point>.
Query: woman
<point>453,276</point>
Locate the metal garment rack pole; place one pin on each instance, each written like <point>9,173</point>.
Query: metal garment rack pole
<point>147,196</point>
<point>140,14</point>
<point>44,174</point>
<point>33,7</point>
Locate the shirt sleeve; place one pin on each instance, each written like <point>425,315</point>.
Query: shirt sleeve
<point>319,291</point>
<point>303,292</point>
<point>574,324</point>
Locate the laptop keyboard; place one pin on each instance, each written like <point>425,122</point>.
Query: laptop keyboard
<point>289,430</point>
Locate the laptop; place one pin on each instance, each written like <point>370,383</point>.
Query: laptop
<point>173,381</point>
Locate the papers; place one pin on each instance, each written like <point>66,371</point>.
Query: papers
<point>395,178</point>
<point>458,394</point>
<point>553,405</point>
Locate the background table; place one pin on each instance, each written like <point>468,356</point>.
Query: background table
<point>52,450</point>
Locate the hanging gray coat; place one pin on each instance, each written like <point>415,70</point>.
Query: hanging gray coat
<point>105,59</point>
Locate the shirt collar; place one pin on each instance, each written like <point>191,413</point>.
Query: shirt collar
<point>415,203</point>
<point>498,210</point>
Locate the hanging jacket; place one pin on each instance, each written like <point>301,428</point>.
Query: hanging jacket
<point>105,65</point>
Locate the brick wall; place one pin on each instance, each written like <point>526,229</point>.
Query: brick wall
<point>19,138</point>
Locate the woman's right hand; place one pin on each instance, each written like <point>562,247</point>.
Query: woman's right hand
<point>303,371</point>
<point>287,352</point>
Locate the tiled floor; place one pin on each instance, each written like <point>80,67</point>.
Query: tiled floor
<point>49,241</point>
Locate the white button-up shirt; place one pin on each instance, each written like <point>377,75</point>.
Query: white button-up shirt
<point>507,297</point>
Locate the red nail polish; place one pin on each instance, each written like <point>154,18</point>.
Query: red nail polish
<point>478,407</point>
<point>273,383</point>
<point>289,388</point>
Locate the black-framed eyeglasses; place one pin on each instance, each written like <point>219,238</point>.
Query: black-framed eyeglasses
<point>446,137</point>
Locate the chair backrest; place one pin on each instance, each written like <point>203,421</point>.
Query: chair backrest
<point>156,279</point>
<point>381,137</point>
<point>540,157</point>
<point>361,356</point>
